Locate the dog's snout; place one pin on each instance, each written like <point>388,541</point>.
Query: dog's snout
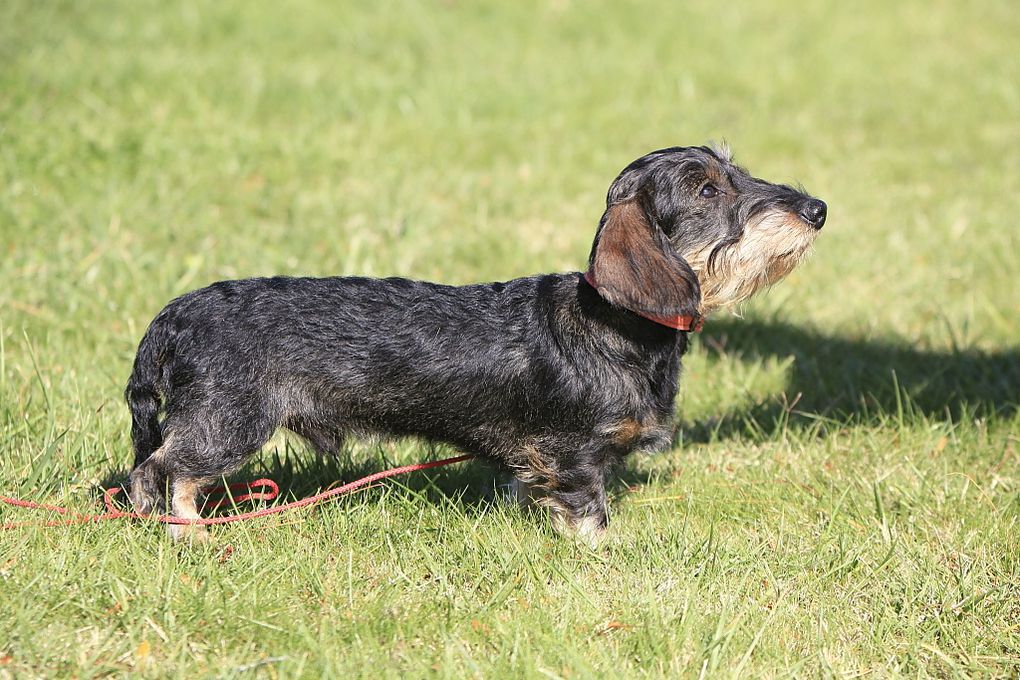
<point>813,212</point>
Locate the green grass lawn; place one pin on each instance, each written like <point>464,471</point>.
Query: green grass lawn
<point>844,497</point>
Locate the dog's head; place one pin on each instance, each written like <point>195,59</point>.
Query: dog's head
<point>686,231</point>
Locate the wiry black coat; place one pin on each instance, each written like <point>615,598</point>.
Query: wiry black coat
<point>539,366</point>
<point>554,378</point>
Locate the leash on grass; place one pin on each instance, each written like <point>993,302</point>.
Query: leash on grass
<point>270,490</point>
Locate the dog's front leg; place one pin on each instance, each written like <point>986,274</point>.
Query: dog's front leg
<point>574,494</point>
<point>578,506</point>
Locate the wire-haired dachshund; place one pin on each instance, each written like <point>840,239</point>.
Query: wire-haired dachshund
<point>556,376</point>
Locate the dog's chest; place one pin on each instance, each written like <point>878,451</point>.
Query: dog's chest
<point>648,432</point>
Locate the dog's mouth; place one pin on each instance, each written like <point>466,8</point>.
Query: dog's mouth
<point>772,244</point>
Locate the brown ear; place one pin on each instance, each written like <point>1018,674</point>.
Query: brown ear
<point>635,267</point>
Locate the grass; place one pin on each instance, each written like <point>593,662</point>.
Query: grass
<point>845,494</point>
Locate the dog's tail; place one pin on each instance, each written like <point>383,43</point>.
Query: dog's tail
<point>143,394</point>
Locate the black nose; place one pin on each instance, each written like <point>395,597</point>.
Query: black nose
<point>813,212</point>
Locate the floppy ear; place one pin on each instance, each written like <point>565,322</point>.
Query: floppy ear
<point>634,266</point>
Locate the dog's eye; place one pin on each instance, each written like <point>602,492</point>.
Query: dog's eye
<point>709,191</point>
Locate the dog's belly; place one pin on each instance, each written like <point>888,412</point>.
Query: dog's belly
<point>475,413</point>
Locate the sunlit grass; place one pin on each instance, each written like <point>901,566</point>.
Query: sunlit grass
<point>844,495</point>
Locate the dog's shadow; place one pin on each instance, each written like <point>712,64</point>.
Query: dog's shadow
<point>830,379</point>
<point>300,472</point>
<point>834,379</point>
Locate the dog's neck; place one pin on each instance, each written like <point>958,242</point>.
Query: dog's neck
<point>680,322</point>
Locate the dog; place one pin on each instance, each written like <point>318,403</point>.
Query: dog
<point>557,377</point>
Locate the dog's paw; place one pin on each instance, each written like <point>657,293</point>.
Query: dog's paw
<point>192,534</point>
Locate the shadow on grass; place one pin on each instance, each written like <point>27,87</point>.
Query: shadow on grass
<point>838,379</point>
<point>300,472</point>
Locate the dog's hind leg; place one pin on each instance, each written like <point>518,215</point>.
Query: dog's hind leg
<point>149,482</point>
<point>184,505</point>
<point>201,446</point>
<point>159,479</point>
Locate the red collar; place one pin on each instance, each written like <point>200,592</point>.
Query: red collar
<point>680,322</point>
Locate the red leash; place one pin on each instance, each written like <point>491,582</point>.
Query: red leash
<point>272,492</point>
